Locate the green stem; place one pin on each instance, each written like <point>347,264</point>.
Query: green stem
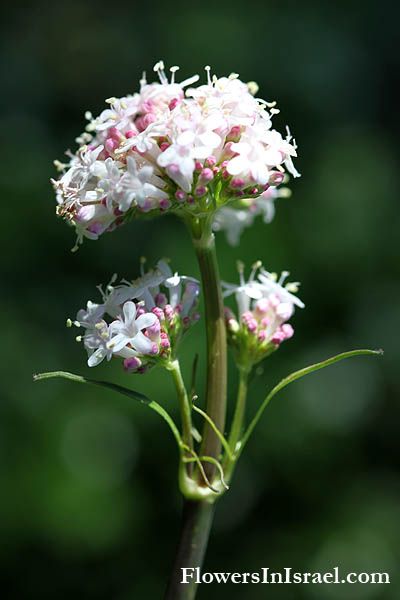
<point>204,244</point>
<point>184,405</point>
<point>237,423</point>
<point>193,539</point>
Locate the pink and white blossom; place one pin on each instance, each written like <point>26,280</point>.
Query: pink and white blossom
<point>175,147</point>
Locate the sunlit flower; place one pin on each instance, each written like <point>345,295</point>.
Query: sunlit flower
<point>206,149</point>
<point>149,317</point>
<point>264,307</point>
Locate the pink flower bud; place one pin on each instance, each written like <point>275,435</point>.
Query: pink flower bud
<point>164,204</point>
<point>169,312</point>
<point>288,330</point>
<point>132,363</point>
<point>253,192</point>
<point>206,175</point>
<point>200,190</point>
<point>237,183</point>
<point>130,133</point>
<point>165,343</point>
<point>142,370</point>
<point>158,312</point>
<point>164,146</point>
<point>278,337</point>
<point>262,335</point>
<point>211,161</point>
<point>234,134</point>
<point>154,348</point>
<point>186,320</point>
<point>198,166</point>
<point>252,325</point>
<point>180,195</point>
<point>247,316</point>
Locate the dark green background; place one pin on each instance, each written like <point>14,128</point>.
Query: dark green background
<point>89,502</point>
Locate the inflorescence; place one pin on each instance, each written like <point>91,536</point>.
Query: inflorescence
<point>209,149</point>
<point>265,305</point>
<point>149,316</point>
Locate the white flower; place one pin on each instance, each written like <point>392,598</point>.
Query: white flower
<point>270,285</point>
<point>119,115</point>
<point>179,163</point>
<point>95,341</point>
<point>136,187</point>
<point>128,330</point>
<point>245,291</point>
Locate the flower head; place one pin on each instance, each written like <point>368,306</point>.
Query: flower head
<point>146,319</point>
<point>209,148</point>
<point>264,307</point>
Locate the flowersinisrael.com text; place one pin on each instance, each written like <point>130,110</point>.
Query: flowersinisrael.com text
<point>264,575</point>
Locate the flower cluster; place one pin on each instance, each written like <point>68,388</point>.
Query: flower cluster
<point>149,316</point>
<point>164,149</point>
<point>264,306</point>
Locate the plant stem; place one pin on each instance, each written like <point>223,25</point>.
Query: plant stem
<point>237,423</point>
<point>204,244</point>
<point>184,405</point>
<point>193,539</point>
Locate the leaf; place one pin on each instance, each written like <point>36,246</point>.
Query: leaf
<point>121,390</point>
<point>296,375</point>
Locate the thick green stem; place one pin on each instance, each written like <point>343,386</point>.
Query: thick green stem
<point>204,244</point>
<point>193,539</point>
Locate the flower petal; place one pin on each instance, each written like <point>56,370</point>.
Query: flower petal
<point>146,320</point>
<point>141,343</point>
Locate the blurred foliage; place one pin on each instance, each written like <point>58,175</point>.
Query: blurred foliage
<point>88,503</point>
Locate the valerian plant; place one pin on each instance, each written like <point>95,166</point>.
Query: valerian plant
<point>209,155</point>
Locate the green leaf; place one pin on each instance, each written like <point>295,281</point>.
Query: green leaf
<point>296,375</point>
<point>121,390</point>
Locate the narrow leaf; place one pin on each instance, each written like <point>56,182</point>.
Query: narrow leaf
<point>296,375</point>
<point>121,390</point>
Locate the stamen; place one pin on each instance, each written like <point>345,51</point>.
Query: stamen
<point>256,266</point>
<point>159,69</point>
<point>173,70</point>
<point>283,276</point>
<point>208,69</point>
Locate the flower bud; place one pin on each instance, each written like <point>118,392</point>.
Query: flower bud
<point>132,363</point>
